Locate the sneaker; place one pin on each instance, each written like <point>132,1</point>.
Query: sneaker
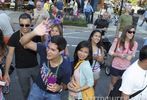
<point>140,25</point>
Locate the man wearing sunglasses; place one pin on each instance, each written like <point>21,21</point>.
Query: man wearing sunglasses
<point>25,60</point>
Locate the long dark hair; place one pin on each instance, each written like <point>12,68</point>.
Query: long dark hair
<point>83,44</point>
<point>99,44</point>
<point>2,43</point>
<point>123,37</point>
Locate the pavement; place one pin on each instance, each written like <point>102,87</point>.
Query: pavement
<point>142,31</point>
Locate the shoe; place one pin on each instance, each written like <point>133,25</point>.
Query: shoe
<point>140,25</point>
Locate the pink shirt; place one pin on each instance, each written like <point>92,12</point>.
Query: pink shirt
<point>122,63</point>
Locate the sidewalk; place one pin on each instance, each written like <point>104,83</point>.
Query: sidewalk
<point>141,31</point>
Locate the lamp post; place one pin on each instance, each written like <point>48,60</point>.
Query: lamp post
<point>121,6</point>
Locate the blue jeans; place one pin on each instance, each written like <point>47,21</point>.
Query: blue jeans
<point>87,15</point>
<point>38,94</point>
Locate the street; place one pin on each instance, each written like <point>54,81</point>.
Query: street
<point>73,36</point>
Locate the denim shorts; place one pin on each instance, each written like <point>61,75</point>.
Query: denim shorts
<point>38,94</point>
<point>116,72</point>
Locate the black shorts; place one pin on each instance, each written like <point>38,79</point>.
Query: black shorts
<point>116,72</point>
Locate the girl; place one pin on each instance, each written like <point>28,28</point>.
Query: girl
<point>82,80</point>
<point>98,53</point>
<point>56,29</point>
<point>123,49</point>
<point>2,57</point>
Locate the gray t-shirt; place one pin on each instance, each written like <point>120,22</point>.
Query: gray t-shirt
<point>5,24</point>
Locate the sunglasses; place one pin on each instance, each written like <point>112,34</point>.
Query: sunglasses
<point>131,32</point>
<point>26,25</point>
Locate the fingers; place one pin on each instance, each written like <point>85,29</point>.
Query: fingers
<point>7,79</point>
<point>53,87</point>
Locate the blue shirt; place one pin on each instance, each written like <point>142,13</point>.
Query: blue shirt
<point>60,5</point>
<point>64,71</point>
<point>88,8</point>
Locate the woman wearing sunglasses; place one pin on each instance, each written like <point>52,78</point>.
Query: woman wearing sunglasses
<point>123,49</point>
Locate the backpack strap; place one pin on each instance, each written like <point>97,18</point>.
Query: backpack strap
<point>136,93</point>
<point>77,65</point>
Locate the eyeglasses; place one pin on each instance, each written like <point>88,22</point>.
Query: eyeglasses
<point>131,32</point>
<point>26,25</point>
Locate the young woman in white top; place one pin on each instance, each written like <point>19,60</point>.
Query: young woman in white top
<point>98,53</point>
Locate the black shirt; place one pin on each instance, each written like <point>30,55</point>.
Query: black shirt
<point>24,58</point>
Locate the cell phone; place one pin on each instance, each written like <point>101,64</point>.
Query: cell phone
<point>52,79</point>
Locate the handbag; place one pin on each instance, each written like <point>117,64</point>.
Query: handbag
<point>88,94</point>
<point>110,57</point>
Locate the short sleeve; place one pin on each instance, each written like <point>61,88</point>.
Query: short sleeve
<point>127,83</point>
<point>14,40</point>
<point>41,49</point>
<point>37,39</point>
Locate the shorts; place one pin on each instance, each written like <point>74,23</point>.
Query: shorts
<point>116,72</point>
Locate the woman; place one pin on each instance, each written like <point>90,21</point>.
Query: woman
<point>2,59</point>
<point>80,81</point>
<point>123,50</point>
<point>98,53</point>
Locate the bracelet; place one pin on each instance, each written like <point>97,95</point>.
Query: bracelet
<point>61,88</point>
<point>79,89</point>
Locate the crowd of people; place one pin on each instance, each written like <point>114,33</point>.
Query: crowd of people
<point>54,72</point>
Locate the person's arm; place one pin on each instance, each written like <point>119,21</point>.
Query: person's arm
<point>8,63</point>
<point>124,96</point>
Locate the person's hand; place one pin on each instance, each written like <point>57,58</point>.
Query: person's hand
<point>42,29</point>
<point>100,58</point>
<point>6,78</point>
<point>73,85</point>
<point>53,87</point>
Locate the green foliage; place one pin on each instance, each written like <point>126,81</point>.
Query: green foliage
<point>133,2</point>
<point>75,22</point>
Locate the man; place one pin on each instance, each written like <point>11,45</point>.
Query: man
<point>135,78</point>
<point>145,18</point>
<point>102,24</point>
<point>39,13</point>
<point>55,70</point>
<point>25,60</point>
<point>124,20</point>
<point>6,26</point>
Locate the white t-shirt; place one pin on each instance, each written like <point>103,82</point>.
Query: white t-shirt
<point>133,80</point>
<point>5,24</point>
